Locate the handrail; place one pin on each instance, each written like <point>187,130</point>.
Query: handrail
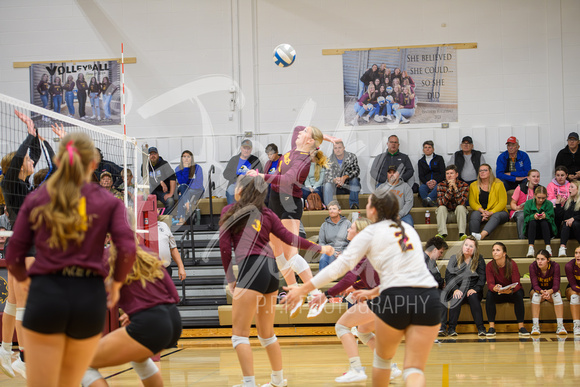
<point>211,186</point>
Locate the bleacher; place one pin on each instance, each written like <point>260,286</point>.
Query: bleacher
<point>507,233</point>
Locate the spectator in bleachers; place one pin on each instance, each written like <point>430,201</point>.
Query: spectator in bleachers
<point>3,238</point>
<point>130,188</point>
<point>503,285</point>
<point>559,187</point>
<point>464,281</point>
<point>238,166</point>
<point>467,160</point>
<point>108,166</point>
<point>272,164</point>
<point>314,181</point>
<point>106,181</point>
<point>571,216</point>
<point>523,193</point>
<point>452,195</point>
<point>434,250</point>
<point>168,250</point>
<point>342,176</point>
<point>513,165</point>
<point>488,200</point>
<point>539,220</point>
<point>572,269</point>
<point>333,232</point>
<point>391,158</point>
<point>431,169</point>
<point>190,185</point>
<point>567,157</point>
<point>162,180</point>
<point>403,193</point>
<point>545,278</point>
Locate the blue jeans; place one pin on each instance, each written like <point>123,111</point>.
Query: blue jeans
<point>187,195</point>
<point>230,193</point>
<point>325,260</point>
<point>107,105</point>
<point>361,86</point>
<point>57,101</point>
<point>408,219</point>
<point>360,110</point>
<point>425,192</point>
<point>306,192</point>
<point>352,188</point>
<point>169,203</point>
<point>44,99</point>
<point>69,97</point>
<point>407,113</point>
<point>94,97</point>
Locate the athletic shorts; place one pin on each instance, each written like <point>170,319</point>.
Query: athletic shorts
<point>401,307</point>
<point>259,273</point>
<point>75,306</point>
<point>286,206</point>
<point>156,328</point>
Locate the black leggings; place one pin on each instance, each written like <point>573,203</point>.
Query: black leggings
<point>566,231</point>
<point>474,304</point>
<point>539,229</point>
<point>516,298</point>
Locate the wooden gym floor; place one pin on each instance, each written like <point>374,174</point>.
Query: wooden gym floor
<point>316,361</point>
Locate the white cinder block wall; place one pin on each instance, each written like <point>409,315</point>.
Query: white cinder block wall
<point>521,80</point>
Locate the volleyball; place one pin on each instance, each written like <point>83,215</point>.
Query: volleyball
<point>381,100</point>
<point>284,55</point>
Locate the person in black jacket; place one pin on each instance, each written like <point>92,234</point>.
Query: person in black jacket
<point>369,76</point>
<point>434,250</point>
<point>567,157</point>
<point>107,166</point>
<point>82,88</point>
<point>392,157</point>
<point>431,172</point>
<point>467,160</point>
<point>239,165</point>
<point>162,179</point>
<point>464,281</point>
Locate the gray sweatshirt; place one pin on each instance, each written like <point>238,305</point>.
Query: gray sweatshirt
<point>334,234</point>
<point>404,193</point>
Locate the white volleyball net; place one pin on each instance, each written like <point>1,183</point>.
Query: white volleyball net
<point>118,152</point>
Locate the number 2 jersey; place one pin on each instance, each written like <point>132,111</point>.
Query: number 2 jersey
<point>379,242</point>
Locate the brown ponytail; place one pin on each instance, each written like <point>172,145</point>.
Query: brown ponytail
<point>387,206</point>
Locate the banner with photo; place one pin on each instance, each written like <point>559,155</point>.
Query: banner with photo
<point>89,91</point>
<point>408,85</point>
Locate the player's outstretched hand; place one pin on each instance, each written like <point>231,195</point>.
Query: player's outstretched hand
<point>60,132</point>
<point>331,139</point>
<point>27,120</point>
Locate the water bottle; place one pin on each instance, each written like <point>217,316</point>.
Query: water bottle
<point>197,216</point>
<point>427,217</point>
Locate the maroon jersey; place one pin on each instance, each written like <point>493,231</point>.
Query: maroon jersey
<point>369,278</point>
<point>573,275</point>
<point>292,171</point>
<point>549,280</point>
<point>135,298</point>
<point>499,278</point>
<point>106,214</point>
<point>255,239</point>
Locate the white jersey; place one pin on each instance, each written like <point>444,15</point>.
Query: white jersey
<point>379,242</point>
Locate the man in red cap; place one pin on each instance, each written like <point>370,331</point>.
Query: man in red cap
<point>513,165</point>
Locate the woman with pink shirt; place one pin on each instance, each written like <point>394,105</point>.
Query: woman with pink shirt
<point>559,187</point>
<point>523,193</point>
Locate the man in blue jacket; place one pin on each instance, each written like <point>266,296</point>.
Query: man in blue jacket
<point>513,165</point>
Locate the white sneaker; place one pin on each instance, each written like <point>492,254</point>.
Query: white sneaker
<point>92,117</point>
<point>294,312</point>
<point>560,330</point>
<point>378,119</point>
<point>536,329</point>
<point>476,235</point>
<point>354,122</point>
<point>395,371</point>
<point>284,384</point>
<point>6,362</point>
<point>316,310</point>
<point>390,117</point>
<point>549,250</point>
<point>562,251</point>
<point>366,118</point>
<point>404,120</point>
<point>576,329</point>
<point>531,253</point>
<point>352,376</point>
<point>20,367</point>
